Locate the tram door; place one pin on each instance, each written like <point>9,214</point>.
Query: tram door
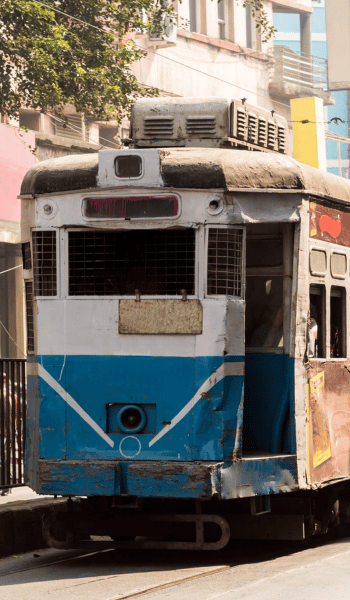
<point>268,368</point>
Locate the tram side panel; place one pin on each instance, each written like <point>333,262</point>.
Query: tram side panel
<point>328,397</point>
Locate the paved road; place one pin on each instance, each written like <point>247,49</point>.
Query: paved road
<point>256,571</point>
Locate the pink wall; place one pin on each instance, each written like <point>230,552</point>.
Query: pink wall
<point>15,160</point>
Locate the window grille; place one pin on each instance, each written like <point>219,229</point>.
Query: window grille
<point>44,259</point>
<point>155,262</point>
<point>30,315</point>
<point>225,262</point>
<point>26,257</point>
<point>73,127</point>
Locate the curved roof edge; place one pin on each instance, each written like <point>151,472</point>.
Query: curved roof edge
<point>72,172</point>
<point>198,168</point>
<point>242,169</point>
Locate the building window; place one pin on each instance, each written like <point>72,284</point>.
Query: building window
<point>337,324</point>
<point>194,15</point>
<point>250,28</point>
<point>154,262</point>
<point>30,119</point>
<point>222,19</point>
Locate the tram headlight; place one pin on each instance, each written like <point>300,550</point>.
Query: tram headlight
<point>131,418</point>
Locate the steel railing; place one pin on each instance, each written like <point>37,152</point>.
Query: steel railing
<point>298,69</point>
<point>12,422</point>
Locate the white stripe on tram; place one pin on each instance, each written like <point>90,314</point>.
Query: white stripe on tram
<point>226,369</point>
<point>71,402</point>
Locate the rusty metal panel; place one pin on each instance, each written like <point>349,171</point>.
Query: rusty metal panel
<point>328,402</point>
<point>329,224</point>
<point>160,316</point>
<point>78,478</point>
<point>167,479</point>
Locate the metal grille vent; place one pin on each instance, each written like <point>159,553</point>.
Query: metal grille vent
<point>271,135</point>
<point>73,128</point>
<point>262,132</point>
<point>155,262</point>
<point>252,128</point>
<point>158,126</point>
<point>241,118</point>
<point>26,257</point>
<point>44,258</point>
<point>281,135</point>
<point>202,125</point>
<point>225,264</point>
<point>30,315</point>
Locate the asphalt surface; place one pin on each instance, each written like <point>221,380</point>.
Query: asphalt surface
<point>255,570</point>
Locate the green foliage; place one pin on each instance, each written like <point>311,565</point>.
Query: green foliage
<point>49,59</point>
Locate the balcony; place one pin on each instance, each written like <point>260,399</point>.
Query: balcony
<point>297,75</point>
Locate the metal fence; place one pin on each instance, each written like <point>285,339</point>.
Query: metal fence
<point>12,422</point>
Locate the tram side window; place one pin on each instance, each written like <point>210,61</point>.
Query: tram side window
<point>337,324</point>
<point>317,345</point>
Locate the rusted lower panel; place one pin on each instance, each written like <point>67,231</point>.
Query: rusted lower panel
<point>160,316</point>
<point>147,479</point>
<point>190,480</point>
<point>73,478</point>
<point>328,421</point>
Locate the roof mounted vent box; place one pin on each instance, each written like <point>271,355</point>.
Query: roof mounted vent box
<point>206,122</point>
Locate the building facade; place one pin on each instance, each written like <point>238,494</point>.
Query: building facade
<point>336,114</point>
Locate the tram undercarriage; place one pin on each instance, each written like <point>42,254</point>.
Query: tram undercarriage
<point>119,522</point>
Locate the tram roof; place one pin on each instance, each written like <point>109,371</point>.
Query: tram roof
<point>199,168</point>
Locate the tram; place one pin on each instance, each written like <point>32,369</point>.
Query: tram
<point>188,334</point>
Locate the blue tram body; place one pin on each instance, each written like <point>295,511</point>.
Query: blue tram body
<point>170,379</point>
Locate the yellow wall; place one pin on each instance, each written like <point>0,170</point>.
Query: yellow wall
<point>309,138</point>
